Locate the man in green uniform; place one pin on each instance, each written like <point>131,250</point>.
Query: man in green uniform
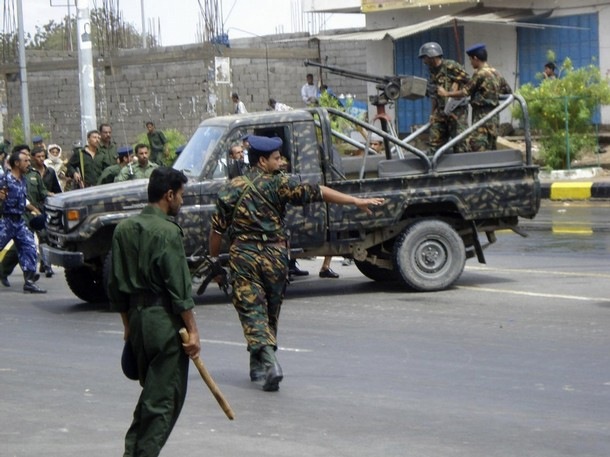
<point>251,209</point>
<point>484,89</point>
<point>86,164</point>
<point>150,285</point>
<point>107,146</point>
<point>123,160</point>
<point>142,170</point>
<point>448,118</point>
<point>157,142</point>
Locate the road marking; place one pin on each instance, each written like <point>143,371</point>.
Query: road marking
<point>540,272</point>
<point>225,343</point>
<point>533,294</point>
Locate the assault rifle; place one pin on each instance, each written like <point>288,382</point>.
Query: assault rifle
<point>203,266</point>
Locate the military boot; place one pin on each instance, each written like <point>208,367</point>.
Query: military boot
<point>257,368</point>
<point>274,374</point>
<point>4,280</point>
<point>29,285</point>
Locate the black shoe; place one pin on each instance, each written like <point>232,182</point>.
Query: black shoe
<point>296,271</point>
<point>257,368</point>
<point>5,282</point>
<point>328,273</point>
<point>41,268</point>
<point>49,272</point>
<point>273,378</point>
<point>29,285</point>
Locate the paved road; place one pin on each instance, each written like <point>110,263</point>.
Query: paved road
<point>513,361</point>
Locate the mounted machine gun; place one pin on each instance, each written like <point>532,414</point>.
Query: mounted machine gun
<point>389,88</point>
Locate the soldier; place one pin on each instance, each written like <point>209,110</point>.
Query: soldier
<point>123,159</point>
<point>251,209</point>
<point>13,192</point>
<point>86,164</point>
<point>151,288</point>
<point>448,118</point>
<point>484,89</point>
<point>157,142</point>
<point>142,170</point>
<point>107,147</point>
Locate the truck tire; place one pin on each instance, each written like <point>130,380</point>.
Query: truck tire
<point>429,255</point>
<point>376,273</point>
<point>86,283</point>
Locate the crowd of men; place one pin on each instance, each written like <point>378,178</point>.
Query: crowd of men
<point>29,174</point>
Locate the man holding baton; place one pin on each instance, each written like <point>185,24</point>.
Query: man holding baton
<point>150,285</point>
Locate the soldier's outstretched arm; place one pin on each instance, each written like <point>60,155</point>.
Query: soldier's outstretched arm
<point>333,196</point>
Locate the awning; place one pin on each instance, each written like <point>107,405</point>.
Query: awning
<point>505,16</point>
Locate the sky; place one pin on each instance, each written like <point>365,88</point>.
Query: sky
<point>242,18</point>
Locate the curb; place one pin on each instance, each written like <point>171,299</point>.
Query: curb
<point>584,190</point>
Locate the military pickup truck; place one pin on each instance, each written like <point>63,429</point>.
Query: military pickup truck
<point>437,206</point>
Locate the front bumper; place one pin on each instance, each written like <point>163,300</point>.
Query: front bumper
<point>64,259</point>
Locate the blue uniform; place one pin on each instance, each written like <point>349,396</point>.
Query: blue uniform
<point>12,223</point>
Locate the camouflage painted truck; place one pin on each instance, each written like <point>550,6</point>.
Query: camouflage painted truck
<point>438,207</point>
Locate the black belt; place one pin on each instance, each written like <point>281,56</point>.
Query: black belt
<point>147,299</point>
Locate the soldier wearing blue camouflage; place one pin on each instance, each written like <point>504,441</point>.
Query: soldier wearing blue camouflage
<point>250,209</point>
<point>484,90</point>
<point>448,117</point>
<point>13,193</point>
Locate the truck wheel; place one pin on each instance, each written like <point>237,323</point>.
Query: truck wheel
<point>86,284</point>
<point>376,273</point>
<point>429,255</point>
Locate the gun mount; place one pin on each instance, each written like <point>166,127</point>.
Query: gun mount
<point>390,87</point>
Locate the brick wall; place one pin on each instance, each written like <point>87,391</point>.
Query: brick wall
<point>174,86</point>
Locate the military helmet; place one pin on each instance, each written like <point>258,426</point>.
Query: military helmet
<point>430,49</point>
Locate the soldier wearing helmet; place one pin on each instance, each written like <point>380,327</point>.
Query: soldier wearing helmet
<point>448,117</point>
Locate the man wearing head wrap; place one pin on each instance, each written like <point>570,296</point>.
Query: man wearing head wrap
<point>250,209</point>
<point>484,89</point>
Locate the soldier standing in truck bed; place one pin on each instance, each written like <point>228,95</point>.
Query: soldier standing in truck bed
<point>448,118</point>
<point>251,209</point>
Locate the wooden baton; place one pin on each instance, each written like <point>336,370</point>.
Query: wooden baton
<point>207,378</point>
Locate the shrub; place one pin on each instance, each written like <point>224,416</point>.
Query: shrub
<point>174,139</point>
<point>17,136</point>
<point>561,111</point>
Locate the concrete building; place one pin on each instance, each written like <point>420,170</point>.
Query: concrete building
<point>518,35</point>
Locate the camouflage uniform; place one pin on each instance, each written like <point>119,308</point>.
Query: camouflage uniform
<point>258,253</point>
<point>13,225</point>
<point>484,89</point>
<point>443,126</point>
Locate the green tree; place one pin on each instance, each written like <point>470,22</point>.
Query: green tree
<point>15,133</point>
<point>561,111</point>
<point>174,139</point>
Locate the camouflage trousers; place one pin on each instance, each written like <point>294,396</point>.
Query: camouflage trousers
<point>445,127</point>
<point>14,228</point>
<point>259,273</point>
<point>483,138</point>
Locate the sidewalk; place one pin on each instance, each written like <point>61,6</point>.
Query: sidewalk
<point>576,184</point>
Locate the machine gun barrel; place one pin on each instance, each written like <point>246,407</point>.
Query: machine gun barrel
<point>351,74</point>
<point>389,87</point>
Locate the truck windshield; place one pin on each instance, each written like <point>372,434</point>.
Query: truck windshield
<point>194,156</point>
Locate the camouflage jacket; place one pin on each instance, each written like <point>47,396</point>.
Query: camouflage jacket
<point>258,215</point>
<point>485,87</point>
<point>445,75</point>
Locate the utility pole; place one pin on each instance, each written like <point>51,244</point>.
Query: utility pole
<point>144,44</point>
<point>85,68</point>
<point>23,75</point>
